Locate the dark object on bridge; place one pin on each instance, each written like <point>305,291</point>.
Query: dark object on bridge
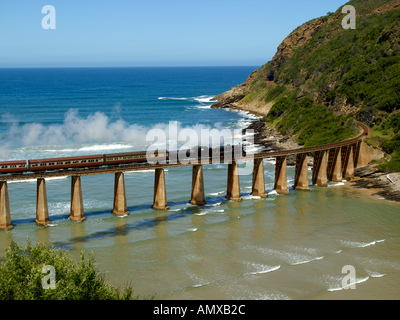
<point>65,163</point>
<point>12,166</point>
<point>80,162</point>
<point>131,157</point>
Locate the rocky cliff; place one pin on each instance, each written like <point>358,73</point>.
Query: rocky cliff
<point>324,78</point>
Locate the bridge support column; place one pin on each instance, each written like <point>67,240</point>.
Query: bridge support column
<point>5,216</point>
<point>281,186</point>
<point>319,169</point>
<point>335,165</point>
<point>120,206</point>
<point>233,190</point>
<point>77,213</point>
<point>258,184</point>
<point>160,192</point>
<point>42,210</point>
<point>362,156</point>
<point>348,163</point>
<point>301,175</point>
<point>197,197</point>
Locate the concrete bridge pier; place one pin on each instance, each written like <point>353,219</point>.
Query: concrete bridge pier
<point>281,186</point>
<point>77,213</point>
<point>258,184</point>
<point>320,169</point>
<point>160,191</point>
<point>197,196</point>
<point>301,173</point>
<point>348,163</point>
<point>335,165</point>
<point>233,189</point>
<point>42,210</point>
<point>120,206</point>
<point>5,216</point>
<point>362,157</point>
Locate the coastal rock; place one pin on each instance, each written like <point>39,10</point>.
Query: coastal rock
<point>387,185</point>
<point>272,140</point>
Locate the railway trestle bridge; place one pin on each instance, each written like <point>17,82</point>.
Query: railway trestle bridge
<point>332,162</point>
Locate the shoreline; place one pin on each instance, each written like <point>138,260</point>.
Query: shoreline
<point>376,183</point>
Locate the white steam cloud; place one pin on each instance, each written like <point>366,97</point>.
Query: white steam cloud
<point>77,131</point>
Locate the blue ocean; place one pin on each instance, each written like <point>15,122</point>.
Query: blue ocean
<point>55,112</point>
<point>283,247</point>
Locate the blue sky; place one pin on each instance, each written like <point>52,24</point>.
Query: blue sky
<point>129,33</point>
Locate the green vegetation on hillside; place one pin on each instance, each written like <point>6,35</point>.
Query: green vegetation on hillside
<point>314,123</point>
<point>21,276</point>
<point>339,77</point>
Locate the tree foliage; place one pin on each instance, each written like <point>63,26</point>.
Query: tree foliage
<point>21,276</point>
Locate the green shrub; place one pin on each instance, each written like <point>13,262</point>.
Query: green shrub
<point>392,165</point>
<point>21,276</point>
<point>392,145</point>
<point>313,124</point>
<point>274,93</point>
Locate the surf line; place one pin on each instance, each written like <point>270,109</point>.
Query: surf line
<point>306,261</point>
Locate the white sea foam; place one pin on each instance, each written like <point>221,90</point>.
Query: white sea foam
<point>375,274</point>
<point>332,185</point>
<point>269,161</point>
<point>340,287</point>
<point>204,99</point>
<point>203,107</point>
<point>214,194</point>
<point>335,289</point>
<point>172,98</point>
<point>306,261</point>
<point>214,204</point>
<point>201,99</point>
<point>142,171</point>
<point>293,258</point>
<point>200,285</point>
<point>353,244</point>
<point>57,178</point>
<point>23,181</point>
<point>249,197</point>
<point>35,180</point>
<point>262,269</point>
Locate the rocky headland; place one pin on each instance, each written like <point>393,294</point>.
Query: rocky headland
<point>288,91</point>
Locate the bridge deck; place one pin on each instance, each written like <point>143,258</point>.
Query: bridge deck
<point>149,166</point>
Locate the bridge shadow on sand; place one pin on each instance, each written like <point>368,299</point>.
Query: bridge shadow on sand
<point>127,228</point>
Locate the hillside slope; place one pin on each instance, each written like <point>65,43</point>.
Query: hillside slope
<point>323,79</point>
